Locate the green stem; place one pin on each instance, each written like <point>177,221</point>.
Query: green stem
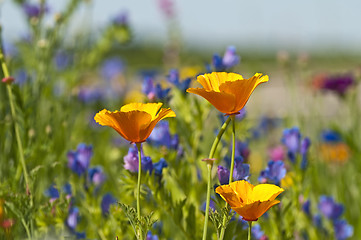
<point>249,229</point>
<point>209,187</point>
<point>233,147</point>
<point>218,138</point>
<point>16,126</point>
<point>139,146</point>
<point>209,166</point>
<point>223,229</point>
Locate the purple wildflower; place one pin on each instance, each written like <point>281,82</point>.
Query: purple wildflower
<point>79,160</point>
<point>230,58</point>
<point>154,91</point>
<point>223,175</point>
<point>72,221</point>
<point>107,200</point>
<point>90,95</point>
<point>96,176</point>
<point>67,190</point>
<point>121,19</point>
<point>158,166</point>
<point>305,145</point>
<point>274,172</point>
<point>174,79</point>
<point>52,192</point>
<point>257,233</point>
<point>131,161</point>
<point>111,68</point>
<point>329,208</point>
<point>73,218</point>
<point>161,136</point>
<point>150,236</point>
<point>342,229</point>
<point>34,10</point>
<point>212,206</point>
<point>338,83</point>
<point>317,221</point>
<point>306,207</point>
<point>62,60</point>
<point>240,172</point>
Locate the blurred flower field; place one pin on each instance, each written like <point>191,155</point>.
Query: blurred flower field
<point>196,160</point>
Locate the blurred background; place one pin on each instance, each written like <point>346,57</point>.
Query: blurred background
<point>250,25</point>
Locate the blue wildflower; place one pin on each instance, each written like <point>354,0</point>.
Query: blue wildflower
<point>62,60</point>
<point>306,207</point>
<point>230,58</point>
<point>67,190</point>
<point>305,145</point>
<point>111,68</point>
<point>158,166</point>
<point>292,140</point>
<point>72,221</point>
<point>174,79</point>
<point>265,125</point>
<point>342,229</point>
<point>274,172</point>
<point>107,200</point>
<point>147,164</point>
<point>34,10</point>
<point>52,192</point>
<point>121,19</point>
<point>257,233</point>
<point>96,176</point>
<point>154,91</point>
<point>73,218</point>
<point>329,208</point>
<point>131,161</point>
<point>150,236</point>
<point>317,220</point>
<point>161,136</point>
<point>79,160</point>
<point>330,136</point>
<point>90,94</point>
<point>240,172</point>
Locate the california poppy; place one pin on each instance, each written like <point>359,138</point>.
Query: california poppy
<point>249,201</point>
<point>134,121</point>
<point>228,92</point>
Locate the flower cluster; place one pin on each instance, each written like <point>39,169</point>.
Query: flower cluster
<point>295,145</point>
<point>332,211</point>
<point>229,60</point>
<point>333,148</point>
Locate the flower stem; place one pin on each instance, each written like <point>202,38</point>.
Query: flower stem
<point>218,138</point>
<point>210,166</point>
<point>233,147</point>
<point>223,229</point>
<point>16,126</point>
<point>139,146</point>
<point>249,229</point>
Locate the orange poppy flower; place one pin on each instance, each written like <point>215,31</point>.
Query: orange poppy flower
<point>228,92</point>
<point>134,121</point>
<point>249,201</point>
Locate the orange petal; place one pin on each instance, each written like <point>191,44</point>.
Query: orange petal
<point>151,108</point>
<point>224,102</point>
<point>213,80</point>
<point>127,124</point>
<point>229,195</point>
<point>243,189</point>
<point>251,212</point>
<point>163,113</point>
<point>242,89</point>
<point>265,192</point>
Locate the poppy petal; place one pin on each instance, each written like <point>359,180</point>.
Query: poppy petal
<point>224,102</point>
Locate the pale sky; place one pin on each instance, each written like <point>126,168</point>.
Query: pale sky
<point>280,24</point>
